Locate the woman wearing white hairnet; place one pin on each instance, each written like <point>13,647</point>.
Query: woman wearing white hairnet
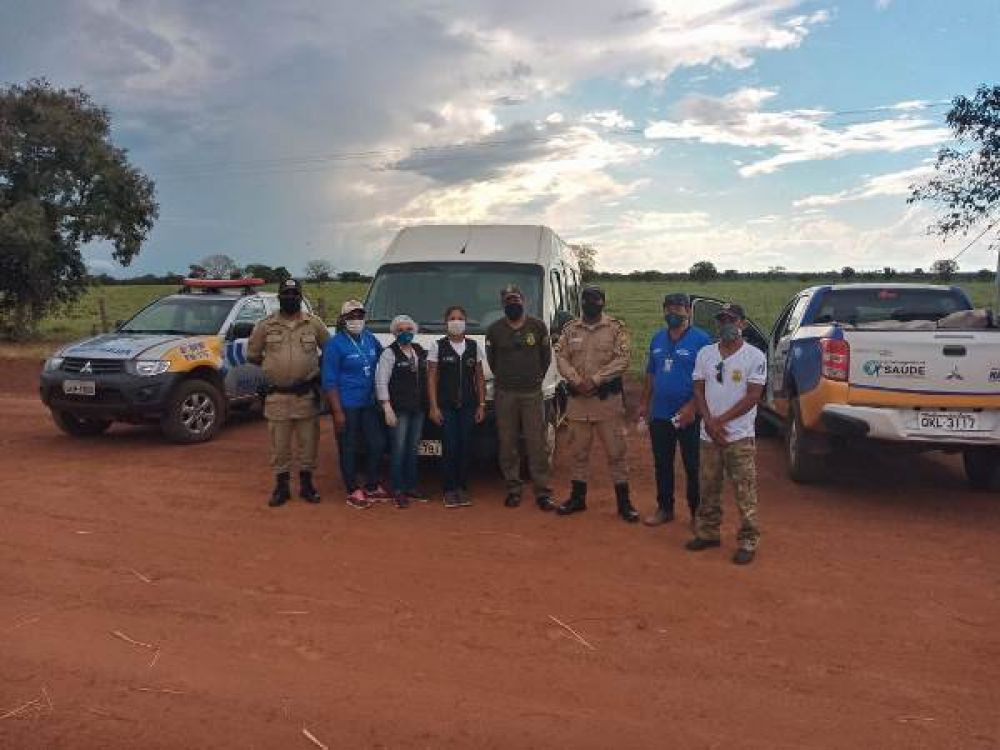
<point>401,388</point>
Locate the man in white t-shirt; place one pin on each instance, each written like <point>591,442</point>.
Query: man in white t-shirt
<point>729,379</point>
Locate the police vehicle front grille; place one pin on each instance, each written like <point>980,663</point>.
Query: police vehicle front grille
<point>97,366</point>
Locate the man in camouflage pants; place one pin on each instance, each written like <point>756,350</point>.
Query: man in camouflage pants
<point>729,379</point>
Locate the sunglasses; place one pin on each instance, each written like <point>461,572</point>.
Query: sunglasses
<point>719,372</point>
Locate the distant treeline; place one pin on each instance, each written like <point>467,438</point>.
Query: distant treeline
<point>176,278</point>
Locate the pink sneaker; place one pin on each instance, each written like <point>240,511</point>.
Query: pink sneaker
<point>358,500</point>
<point>378,494</point>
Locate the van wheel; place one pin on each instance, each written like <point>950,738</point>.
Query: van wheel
<point>803,465</point>
<point>982,467</point>
<point>76,426</point>
<point>194,412</point>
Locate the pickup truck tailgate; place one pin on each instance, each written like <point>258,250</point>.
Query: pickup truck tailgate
<point>921,362</point>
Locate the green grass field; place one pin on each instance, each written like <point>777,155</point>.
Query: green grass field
<point>638,303</point>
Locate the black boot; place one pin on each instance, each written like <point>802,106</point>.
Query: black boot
<point>282,491</point>
<point>577,500</point>
<point>625,509</point>
<point>307,490</point>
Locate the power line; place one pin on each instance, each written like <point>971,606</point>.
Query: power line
<point>976,239</point>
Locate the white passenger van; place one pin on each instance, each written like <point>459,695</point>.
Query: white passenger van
<point>428,268</point>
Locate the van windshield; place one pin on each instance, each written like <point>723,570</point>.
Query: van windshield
<point>424,290</point>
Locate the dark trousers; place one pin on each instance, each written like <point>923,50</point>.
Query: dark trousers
<point>404,439</point>
<point>363,423</point>
<point>665,438</point>
<point>456,446</point>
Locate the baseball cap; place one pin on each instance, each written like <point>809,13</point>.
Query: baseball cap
<point>677,298</point>
<point>731,310</point>
<point>289,286</point>
<point>350,306</point>
<point>592,290</point>
<point>511,290</point>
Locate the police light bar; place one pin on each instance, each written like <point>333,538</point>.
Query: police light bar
<point>217,285</point>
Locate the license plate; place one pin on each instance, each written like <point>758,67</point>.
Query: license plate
<point>948,421</point>
<point>429,448</point>
<point>79,387</point>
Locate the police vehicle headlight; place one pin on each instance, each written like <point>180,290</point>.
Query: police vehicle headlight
<point>53,363</point>
<point>148,367</point>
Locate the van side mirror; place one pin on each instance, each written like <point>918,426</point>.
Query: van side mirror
<point>562,318</point>
<point>240,330</point>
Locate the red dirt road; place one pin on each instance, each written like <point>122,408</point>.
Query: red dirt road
<point>868,621</point>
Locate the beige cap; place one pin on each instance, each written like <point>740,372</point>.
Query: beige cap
<point>350,306</point>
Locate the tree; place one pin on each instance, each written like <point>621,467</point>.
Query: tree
<point>220,266</point>
<point>703,270</point>
<point>260,271</point>
<point>966,181</point>
<point>586,257</point>
<point>847,272</point>
<point>944,268</point>
<point>63,183</point>
<point>281,273</point>
<point>888,272</point>
<point>730,273</point>
<point>319,270</point>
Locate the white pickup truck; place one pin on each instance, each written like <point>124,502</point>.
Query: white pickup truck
<point>909,364</point>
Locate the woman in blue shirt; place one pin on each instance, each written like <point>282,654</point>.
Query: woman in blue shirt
<point>349,361</point>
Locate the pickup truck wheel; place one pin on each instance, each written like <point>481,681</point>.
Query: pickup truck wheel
<point>803,465</point>
<point>194,412</point>
<point>76,426</point>
<point>982,467</point>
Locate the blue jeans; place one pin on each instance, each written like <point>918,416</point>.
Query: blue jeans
<point>362,423</point>
<point>403,459</point>
<point>456,446</point>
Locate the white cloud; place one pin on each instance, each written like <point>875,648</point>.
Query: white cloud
<point>799,135</point>
<point>891,184</point>
<point>610,119</point>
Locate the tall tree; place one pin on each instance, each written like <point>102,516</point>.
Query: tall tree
<point>220,266</point>
<point>319,270</point>
<point>703,270</point>
<point>586,258</point>
<point>966,182</point>
<point>63,183</point>
<point>945,268</point>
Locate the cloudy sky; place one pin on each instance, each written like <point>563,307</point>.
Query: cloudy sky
<point>753,134</point>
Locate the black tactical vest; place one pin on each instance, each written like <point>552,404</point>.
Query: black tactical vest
<point>408,383</point>
<point>456,375</point>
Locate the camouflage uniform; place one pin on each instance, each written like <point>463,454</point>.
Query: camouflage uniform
<point>735,461</point>
<point>290,350</point>
<point>601,351</point>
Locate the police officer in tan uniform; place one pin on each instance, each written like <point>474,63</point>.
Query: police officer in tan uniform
<point>593,354</point>
<point>287,345</point>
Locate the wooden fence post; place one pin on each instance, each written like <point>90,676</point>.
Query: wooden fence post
<point>102,310</point>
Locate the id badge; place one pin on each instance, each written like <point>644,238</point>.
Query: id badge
<point>668,364</point>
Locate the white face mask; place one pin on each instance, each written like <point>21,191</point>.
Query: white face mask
<point>354,327</point>
<point>456,327</point>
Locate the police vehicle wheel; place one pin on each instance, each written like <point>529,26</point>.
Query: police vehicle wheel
<point>76,426</point>
<point>194,413</point>
<point>803,466</point>
<point>982,467</point>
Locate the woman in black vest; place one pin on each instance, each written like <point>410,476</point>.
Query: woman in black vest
<point>401,388</point>
<point>457,392</point>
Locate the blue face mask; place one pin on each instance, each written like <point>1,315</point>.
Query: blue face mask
<point>675,320</point>
<point>405,337</point>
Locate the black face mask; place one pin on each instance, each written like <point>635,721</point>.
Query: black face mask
<point>290,305</point>
<point>592,310</point>
<point>513,311</point>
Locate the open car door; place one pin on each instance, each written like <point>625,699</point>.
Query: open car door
<point>703,312</point>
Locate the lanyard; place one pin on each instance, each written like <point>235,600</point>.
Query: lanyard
<point>364,359</point>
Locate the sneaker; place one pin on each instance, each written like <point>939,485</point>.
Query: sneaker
<point>419,496</point>
<point>698,544</point>
<point>359,500</point>
<point>378,493</point>
<point>464,498</point>
<point>401,501</point>
<point>512,500</point>
<point>660,517</point>
<point>452,499</point>
<point>744,556</point>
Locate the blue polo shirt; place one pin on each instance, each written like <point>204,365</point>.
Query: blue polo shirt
<point>671,364</point>
<point>349,366</point>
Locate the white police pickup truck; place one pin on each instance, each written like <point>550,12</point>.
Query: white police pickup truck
<point>180,361</point>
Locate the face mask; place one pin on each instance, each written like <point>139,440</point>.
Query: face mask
<point>729,331</point>
<point>405,337</point>
<point>675,320</point>
<point>355,327</point>
<point>592,309</point>
<point>513,311</point>
<point>290,305</point>
<point>456,327</point>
